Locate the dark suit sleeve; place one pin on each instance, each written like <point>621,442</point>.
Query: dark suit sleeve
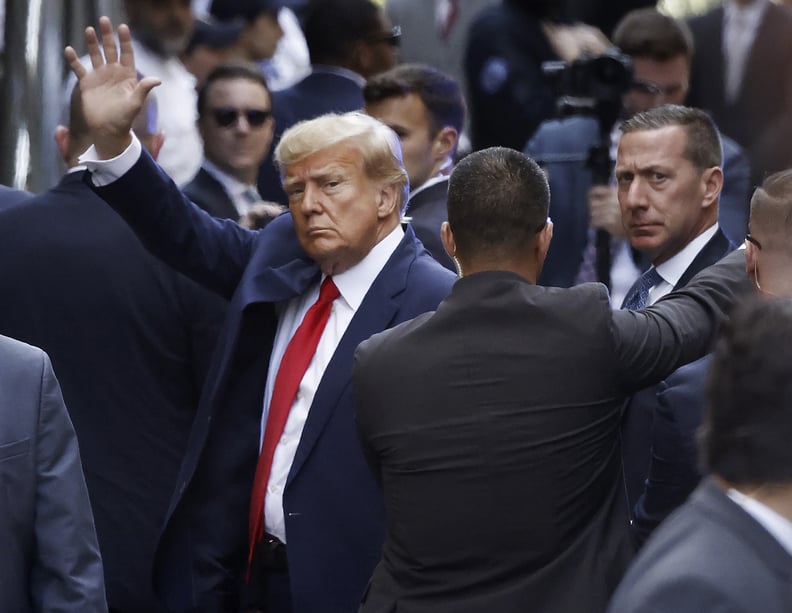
<point>680,327</point>
<point>67,569</point>
<point>681,594</point>
<point>212,252</point>
<point>673,470</point>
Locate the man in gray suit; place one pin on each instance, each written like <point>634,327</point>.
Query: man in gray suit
<point>500,461</point>
<point>729,548</point>
<point>49,559</point>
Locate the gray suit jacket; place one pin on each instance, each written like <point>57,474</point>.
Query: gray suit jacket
<point>708,556</point>
<point>497,445</point>
<point>49,557</point>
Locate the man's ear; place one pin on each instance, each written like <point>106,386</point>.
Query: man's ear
<point>445,143</point>
<point>62,140</point>
<point>447,238</point>
<point>713,183</point>
<point>542,243</point>
<point>751,256</point>
<point>388,200</point>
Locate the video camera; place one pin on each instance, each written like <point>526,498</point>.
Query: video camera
<point>593,86</point>
<point>590,83</point>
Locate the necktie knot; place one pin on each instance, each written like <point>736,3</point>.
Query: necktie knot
<point>251,195</point>
<point>328,291</point>
<point>639,294</point>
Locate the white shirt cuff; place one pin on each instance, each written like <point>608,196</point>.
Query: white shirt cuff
<point>104,172</point>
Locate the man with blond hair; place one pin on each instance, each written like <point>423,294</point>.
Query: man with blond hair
<point>304,292</point>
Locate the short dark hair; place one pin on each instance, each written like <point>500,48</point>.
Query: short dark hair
<point>332,27</point>
<point>648,33</point>
<point>497,201</point>
<point>227,72</point>
<point>703,148</point>
<point>748,425</point>
<point>771,212</point>
<point>440,94</point>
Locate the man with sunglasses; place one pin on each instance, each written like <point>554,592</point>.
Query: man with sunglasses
<point>661,49</point>
<point>236,125</point>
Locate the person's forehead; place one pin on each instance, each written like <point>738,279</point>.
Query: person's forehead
<point>237,87</point>
<point>670,71</point>
<point>406,108</point>
<point>663,145</point>
<point>340,157</point>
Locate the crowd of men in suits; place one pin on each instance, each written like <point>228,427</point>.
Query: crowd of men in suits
<point>310,412</point>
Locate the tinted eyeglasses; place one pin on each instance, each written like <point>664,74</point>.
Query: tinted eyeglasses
<point>225,117</point>
<point>393,38</point>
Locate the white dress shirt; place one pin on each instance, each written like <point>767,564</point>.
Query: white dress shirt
<point>672,269</point>
<point>182,149</point>
<point>740,24</point>
<point>353,285</point>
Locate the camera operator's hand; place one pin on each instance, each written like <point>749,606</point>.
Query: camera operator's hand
<point>571,41</point>
<point>604,210</point>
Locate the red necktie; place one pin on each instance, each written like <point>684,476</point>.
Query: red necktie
<point>294,363</point>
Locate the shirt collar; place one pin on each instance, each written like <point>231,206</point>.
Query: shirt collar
<point>777,525</point>
<point>752,13</point>
<point>427,184</point>
<point>353,284</point>
<point>672,270</point>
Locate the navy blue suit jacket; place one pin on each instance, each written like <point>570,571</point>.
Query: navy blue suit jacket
<point>332,505</point>
<point>9,197</point>
<point>637,425</point>
<point>561,147</point>
<point>131,342</point>
<point>673,469</point>
<point>317,94</point>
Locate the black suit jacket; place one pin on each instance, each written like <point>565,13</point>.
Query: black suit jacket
<point>500,460</point>
<point>130,341</point>
<point>708,556</point>
<point>427,211</point>
<point>760,119</point>
<point>637,426</point>
<point>207,192</point>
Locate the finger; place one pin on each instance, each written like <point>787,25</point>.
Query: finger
<point>143,87</point>
<point>125,43</point>
<point>94,52</point>
<point>74,62</point>
<point>108,40</point>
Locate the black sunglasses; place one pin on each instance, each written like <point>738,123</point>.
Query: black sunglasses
<point>393,38</point>
<point>225,117</point>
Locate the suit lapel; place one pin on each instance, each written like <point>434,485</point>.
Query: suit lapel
<point>376,313</point>
<point>714,250</point>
